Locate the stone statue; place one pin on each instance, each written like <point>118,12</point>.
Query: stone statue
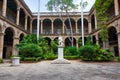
<point>60,41</point>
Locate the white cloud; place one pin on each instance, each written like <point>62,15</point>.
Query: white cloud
<point>33,5</point>
<point>88,7</point>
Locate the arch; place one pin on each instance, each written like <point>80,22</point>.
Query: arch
<point>28,23</point>
<point>85,25</point>
<point>85,39</point>
<point>70,19</point>
<point>68,43</point>
<point>111,11</point>
<point>113,39</point>
<point>11,10</point>
<point>94,39</point>
<point>93,22</point>
<point>34,26</point>
<point>21,37</point>
<point>57,26</point>
<point>22,18</point>
<point>0,27</point>
<point>56,39</point>
<point>112,34</point>
<point>47,26</point>
<point>47,19</point>
<point>8,43</point>
<point>68,29</point>
<point>119,3</point>
<point>10,28</point>
<point>100,40</point>
<point>48,40</point>
<point>80,41</point>
<point>1,1</point>
<point>17,3</point>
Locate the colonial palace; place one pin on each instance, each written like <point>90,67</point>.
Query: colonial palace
<point>17,20</point>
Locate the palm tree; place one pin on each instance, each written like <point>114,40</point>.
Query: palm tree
<point>61,6</point>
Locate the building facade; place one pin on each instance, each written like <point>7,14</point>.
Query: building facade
<point>16,21</point>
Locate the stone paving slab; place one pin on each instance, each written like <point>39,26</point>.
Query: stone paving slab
<point>75,71</point>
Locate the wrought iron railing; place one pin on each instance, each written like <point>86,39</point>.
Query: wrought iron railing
<point>56,13</point>
<point>11,18</point>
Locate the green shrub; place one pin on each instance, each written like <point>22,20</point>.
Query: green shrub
<point>118,59</point>
<point>86,52</point>
<point>30,47</point>
<point>71,57</point>
<point>104,55</point>
<point>44,45</point>
<point>71,51</point>
<point>29,59</point>
<point>95,53</point>
<point>38,59</point>
<point>54,46</point>
<point>49,56</point>
<point>30,50</point>
<point>22,57</point>
<point>1,60</point>
<point>31,38</point>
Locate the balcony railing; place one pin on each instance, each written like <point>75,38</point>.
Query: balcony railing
<point>35,31</point>
<point>58,31</point>
<point>28,30</point>
<point>63,13</point>
<point>47,31</point>
<point>11,18</point>
<point>113,42</point>
<point>21,25</point>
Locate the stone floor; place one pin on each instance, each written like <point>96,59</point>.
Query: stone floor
<point>75,71</point>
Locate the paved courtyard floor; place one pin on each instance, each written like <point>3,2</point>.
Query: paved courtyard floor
<point>44,70</point>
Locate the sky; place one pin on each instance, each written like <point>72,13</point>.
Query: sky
<point>33,5</point>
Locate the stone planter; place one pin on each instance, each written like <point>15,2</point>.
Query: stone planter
<point>15,61</point>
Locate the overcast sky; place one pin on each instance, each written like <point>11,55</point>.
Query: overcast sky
<point>33,5</point>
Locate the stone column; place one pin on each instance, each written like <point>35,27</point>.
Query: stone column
<point>63,28</point>
<point>106,44</point>
<point>77,45</point>
<point>76,27</point>
<point>1,44</point>
<point>41,27</point>
<point>52,27</point>
<point>89,26</point>
<point>119,43</point>
<point>4,8</point>
<point>97,39</point>
<point>116,7</point>
<point>26,19</point>
<point>18,15</point>
<point>95,20</point>
<point>15,42</point>
<point>31,25</point>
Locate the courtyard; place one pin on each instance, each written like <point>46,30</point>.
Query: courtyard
<point>77,70</point>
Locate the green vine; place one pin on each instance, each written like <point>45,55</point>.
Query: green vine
<point>101,7</point>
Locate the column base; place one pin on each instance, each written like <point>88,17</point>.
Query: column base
<point>60,61</point>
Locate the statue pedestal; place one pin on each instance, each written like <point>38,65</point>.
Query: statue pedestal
<point>60,59</point>
<point>60,52</point>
